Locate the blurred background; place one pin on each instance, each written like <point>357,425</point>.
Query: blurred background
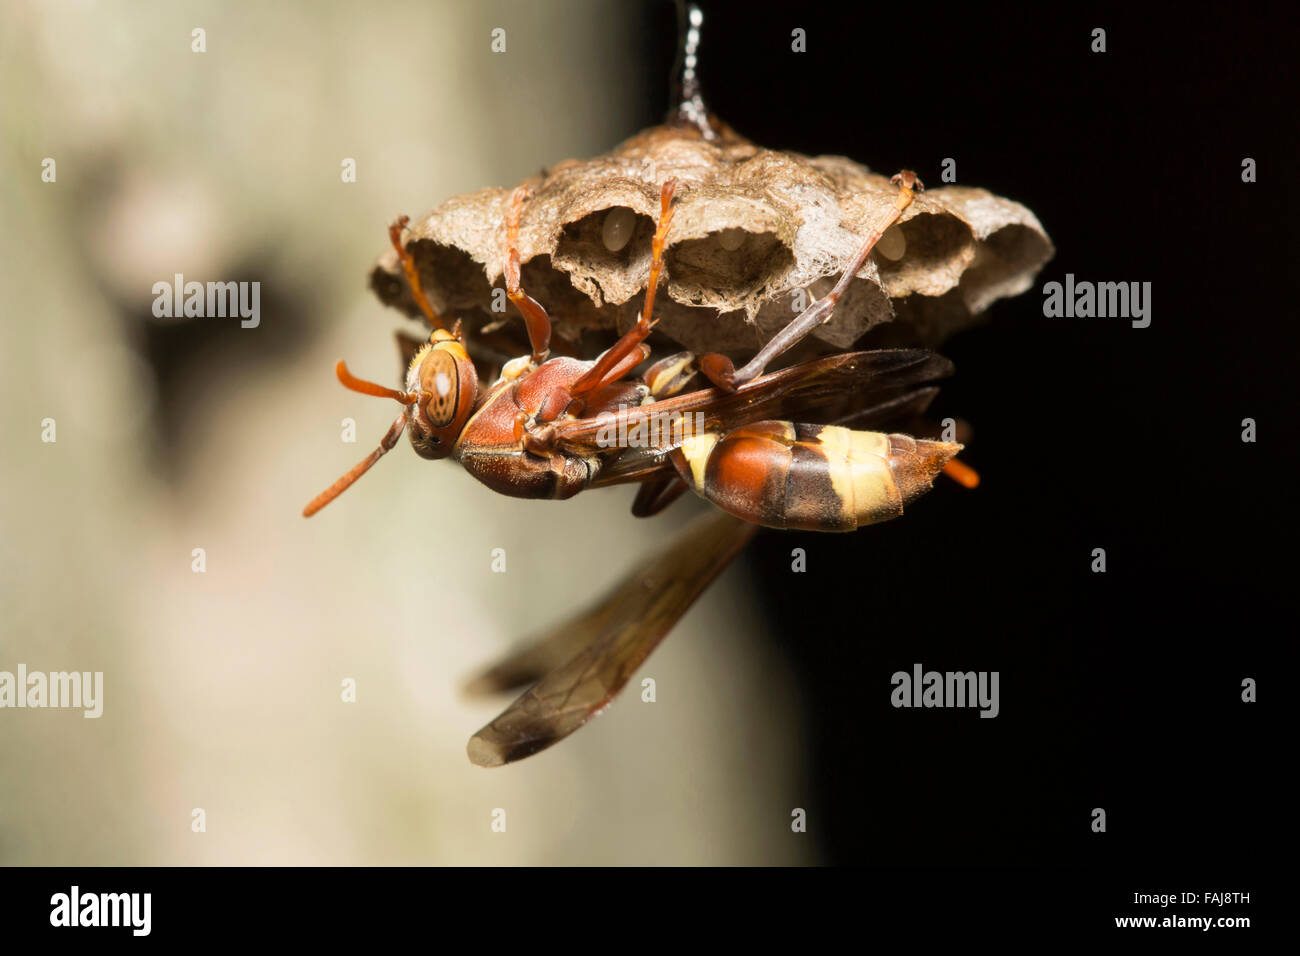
<point>222,688</point>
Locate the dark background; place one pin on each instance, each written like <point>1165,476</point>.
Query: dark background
<point>1119,690</point>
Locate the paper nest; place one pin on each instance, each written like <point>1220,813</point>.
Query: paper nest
<point>801,219</point>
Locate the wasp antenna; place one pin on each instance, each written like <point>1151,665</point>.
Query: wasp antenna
<point>369,388</point>
<point>360,468</point>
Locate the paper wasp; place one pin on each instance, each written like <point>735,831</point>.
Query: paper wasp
<point>541,431</point>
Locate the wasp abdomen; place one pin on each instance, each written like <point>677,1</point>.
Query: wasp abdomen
<point>810,477</point>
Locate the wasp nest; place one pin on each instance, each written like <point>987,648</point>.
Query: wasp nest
<point>756,235</point>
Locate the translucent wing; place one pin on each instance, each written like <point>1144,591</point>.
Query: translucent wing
<point>594,654</point>
<point>858,387</point>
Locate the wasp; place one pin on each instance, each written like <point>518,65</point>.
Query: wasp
<point>787,449</point>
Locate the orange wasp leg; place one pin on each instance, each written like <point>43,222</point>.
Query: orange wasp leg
<point>536,320</point>
<point>719,369</point>
<point>962,473</point>
<point>612,366</point>
<point>412,273</point>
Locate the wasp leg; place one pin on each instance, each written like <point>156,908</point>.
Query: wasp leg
<point>719,369</point>
<point>810,477</point>
<point>664,379</point>
<point>587,659</point>
<point>613,364</point>
<point>670,376</point>
<point>536,320</point>
<point>412,273</point>
<point>962,473</point>
<point>656,494</point>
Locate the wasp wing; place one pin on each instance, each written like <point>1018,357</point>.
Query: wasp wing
<point>906,407</point>
<point>862,387</point>
<point>621,632</point>
<point>903,412</point>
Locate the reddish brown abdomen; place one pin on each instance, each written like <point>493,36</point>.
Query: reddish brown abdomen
<point>810,477</point>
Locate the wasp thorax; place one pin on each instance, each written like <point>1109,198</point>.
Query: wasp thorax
<point>617,228</point>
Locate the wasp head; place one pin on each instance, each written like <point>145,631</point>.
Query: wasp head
<point>441,389</point>
<point>442,386</point>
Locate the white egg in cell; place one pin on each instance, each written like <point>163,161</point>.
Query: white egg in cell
<point>617,229</point>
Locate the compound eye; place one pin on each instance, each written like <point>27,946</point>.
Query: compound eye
<point>441,379</point>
